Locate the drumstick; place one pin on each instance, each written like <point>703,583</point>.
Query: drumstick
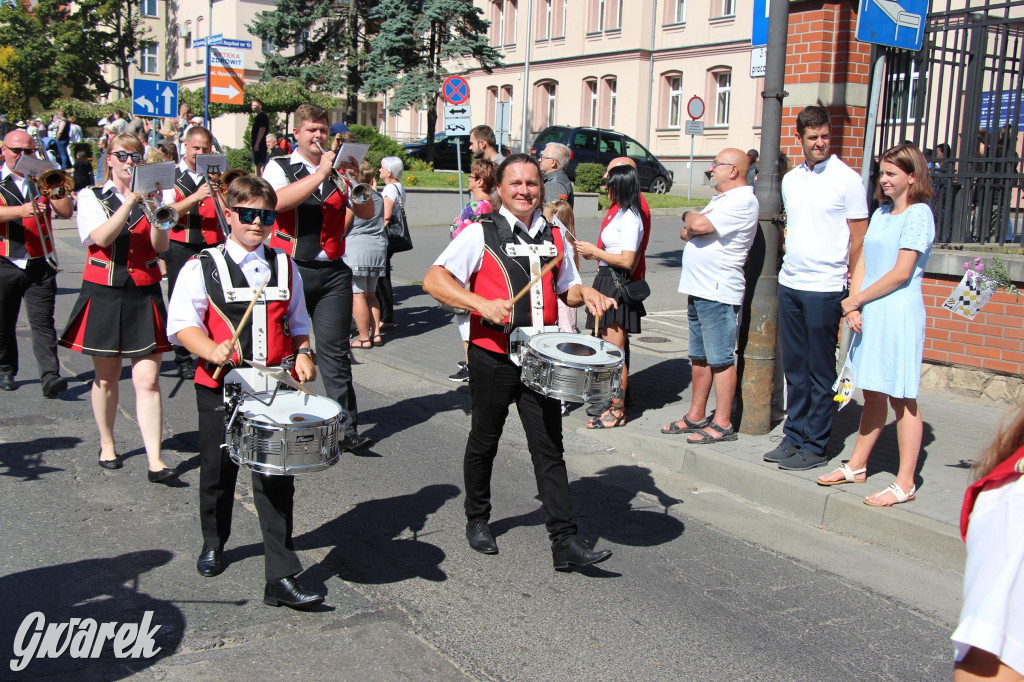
<point>245,319</point>
<point>546,270</point>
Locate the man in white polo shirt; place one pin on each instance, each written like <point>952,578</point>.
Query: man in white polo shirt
<point>718,241</point>
<point>827,216</point>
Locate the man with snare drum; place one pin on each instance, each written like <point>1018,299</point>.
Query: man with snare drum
<point>493,257</point>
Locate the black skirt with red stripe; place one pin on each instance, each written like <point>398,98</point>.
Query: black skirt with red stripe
<point>128,322</point>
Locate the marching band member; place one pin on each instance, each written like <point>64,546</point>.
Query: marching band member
<point>120,309</point>
<point>24,270</point>
<point>490,256</point>
<point>310,229</point>
<point>198,226</point>
<point>203,318</point>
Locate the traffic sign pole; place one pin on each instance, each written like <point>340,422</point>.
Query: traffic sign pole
<point>458,160</point>
<point>695,110</point>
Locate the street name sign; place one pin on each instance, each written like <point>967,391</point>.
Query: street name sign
<point>154,98</point>
<point>212,40</point>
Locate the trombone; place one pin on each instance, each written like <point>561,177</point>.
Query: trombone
<point>52,184</point>
<point>218,183</point>
<point>360,192</point>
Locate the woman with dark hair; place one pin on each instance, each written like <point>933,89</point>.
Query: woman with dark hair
<point>885,309</point>
<point>120,309</point>
<point>616,251</point>
<point>989,638</point>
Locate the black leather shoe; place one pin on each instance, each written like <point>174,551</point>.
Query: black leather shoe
<point>185,370</point>
<point>574,554</point>
<point>7,382</point>
<point>288,592</point>
<point>52,389</point>
<point>211,562</point>
<point>355,442</point>
<point>480,537</point>
<point>110,463</point>
<point>161,476</point>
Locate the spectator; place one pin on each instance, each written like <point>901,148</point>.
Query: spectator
<point>258,137</point>
<point>557,184</point>
<point>827,213</point>
<point>752,169</point>
<point>391,169</point>
<point>274,149</point>
<point>718,241</point>
<point>559,212</point>
<point>74,130</point>
<point>62,135</point>
<point>366,253</point>
<point>483,144</point>
<point>168,152</point>
<point>83,175</point>
<point>885,309</point>
<point>989,636</point>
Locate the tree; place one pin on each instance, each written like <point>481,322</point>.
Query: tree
<point>329,38</point>
<point>120,21</point>
<point>13,100</point>
<point>418,40</point>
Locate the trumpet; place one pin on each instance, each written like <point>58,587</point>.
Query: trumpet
<point>160,216</point>
<point>360,192</point>
<point>52,184</point>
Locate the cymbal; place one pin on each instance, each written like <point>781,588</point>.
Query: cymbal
<point>282,375</point>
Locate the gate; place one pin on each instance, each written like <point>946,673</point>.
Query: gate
<point>962,98</point>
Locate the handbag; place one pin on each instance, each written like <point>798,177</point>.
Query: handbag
<point>634,291</point>
<point>399,237</point>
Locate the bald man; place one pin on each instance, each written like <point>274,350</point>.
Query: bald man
<point>24,270</point>
<point>718,241</point>
<point>639,270</point>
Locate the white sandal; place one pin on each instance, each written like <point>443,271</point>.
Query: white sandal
<point>897,492</point>
<point>849,475</point>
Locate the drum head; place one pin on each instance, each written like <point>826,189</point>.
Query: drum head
<point>289,409</point>
<point>575,348</point>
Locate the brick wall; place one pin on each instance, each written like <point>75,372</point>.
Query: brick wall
<point>992,341</point>
<point>822,51</point>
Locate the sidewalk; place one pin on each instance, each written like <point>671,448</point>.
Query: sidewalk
<point>425,342</point>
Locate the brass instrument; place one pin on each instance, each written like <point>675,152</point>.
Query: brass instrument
<point>161,216</point>
<point>218,183</point>
<point>360,192</point>
<point>52,184</point>
<point>55,184</point>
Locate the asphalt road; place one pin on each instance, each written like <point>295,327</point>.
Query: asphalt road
<point>702,586</point>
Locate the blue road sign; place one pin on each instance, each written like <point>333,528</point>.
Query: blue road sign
<point>236,44</point>
<point>212,40</point>
<point>888,22</point>
<point>455,90</point>
<point>154,98</point>
<point>759,37</point>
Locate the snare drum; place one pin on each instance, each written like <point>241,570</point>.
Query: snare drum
<point>294,434</point>
<point>572,367</point>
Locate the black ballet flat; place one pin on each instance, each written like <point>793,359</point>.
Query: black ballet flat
<point>162,476</point>
<point>109,463</point>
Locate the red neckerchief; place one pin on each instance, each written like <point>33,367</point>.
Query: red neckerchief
<point>1009,469</point>
<point>640,267</point>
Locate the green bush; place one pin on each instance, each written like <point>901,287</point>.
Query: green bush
<point>239,158</point>
<point>380,145</point>
<point>588,177</point>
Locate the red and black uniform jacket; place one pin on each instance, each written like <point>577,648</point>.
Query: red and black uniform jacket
<point>317,224</point>
<point>130,256</point>
<point>502,276</point>
<point>21,238</point>
<point>223,314</point>
<point>200,225</point>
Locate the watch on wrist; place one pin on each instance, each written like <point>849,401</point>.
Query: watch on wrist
<point>307,351</point>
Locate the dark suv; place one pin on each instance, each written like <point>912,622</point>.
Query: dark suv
<point>596,145</point>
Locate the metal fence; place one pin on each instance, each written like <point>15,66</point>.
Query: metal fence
<point>961,99</point>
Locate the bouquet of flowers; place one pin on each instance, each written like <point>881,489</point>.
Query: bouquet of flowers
<point>980,281</point>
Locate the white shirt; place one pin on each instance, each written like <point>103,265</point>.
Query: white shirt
<point>713,262</point>
<point>92,214</point>
<point>465,254</point>
<point>395,192</point>
<point>274,174</point>
<point>189,301</point>
<point>118,126</point>
<point>992,616</point>
<point>196,177</point>
<point>75,133</point>
<point>622,233</point>
<point>819,202</point>
<point>23,186</point>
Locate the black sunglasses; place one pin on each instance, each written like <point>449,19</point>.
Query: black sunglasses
<point>124,156</point>
<point>247,216</point>
<point>18,151</point>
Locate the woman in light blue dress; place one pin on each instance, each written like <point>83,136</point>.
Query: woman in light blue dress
<point>886,311</point>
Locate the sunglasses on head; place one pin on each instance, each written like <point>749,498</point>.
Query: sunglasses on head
<point>18,151</point>
<point>247,216</point>
<point>136,157</point>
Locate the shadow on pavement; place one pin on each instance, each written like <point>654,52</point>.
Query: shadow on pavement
<point>104,590</point>
<point>411,412</point>
<point>24,460</point>
<point>370,544</point>
<point>660,385</point>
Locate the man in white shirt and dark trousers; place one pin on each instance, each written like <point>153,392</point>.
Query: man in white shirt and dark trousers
<point>718,241</point>
<point>827,216</point>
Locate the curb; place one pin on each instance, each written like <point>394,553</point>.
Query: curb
<point>828,508</point>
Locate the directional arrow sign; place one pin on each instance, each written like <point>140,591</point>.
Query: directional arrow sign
<point>226,86</point>
<point>154,98</point>
<point>147,107</point>
<point>460,111</point>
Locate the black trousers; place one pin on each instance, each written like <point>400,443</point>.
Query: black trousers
<point>217,475</point>
<point>386,295</point>
<point>494,384</point>
<point>37,285</point>
<point>175,257</point>
<point>328,289</point>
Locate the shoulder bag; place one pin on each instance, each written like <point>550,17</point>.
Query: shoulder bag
<point>399,237</point>
<point>633,291</point>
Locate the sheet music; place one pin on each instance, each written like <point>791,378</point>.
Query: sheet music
<point>31,166</point>
<point>152,177</point>
<point>356,150</point>
<point>211,163</point>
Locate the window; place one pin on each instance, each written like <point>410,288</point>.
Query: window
<point>904,91</point>
<point>565,16</point>
<point>200,51</point>
<point>501,22</point>
<point>635,150</point>
<point>148,58</point>
<point>618,14</point>
<point>728,8</point>
<point>675,101</point>
<point>551,89</point>
<point>148,8</point>
<point>723,89</point>
<point>547,17</point>
<point>680,12</point>
<point>268,46</point>
<point>613,86</point>
<point>600,14</point>
<point>186,48</point>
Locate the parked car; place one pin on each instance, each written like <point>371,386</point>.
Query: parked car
<point>596,145</point>
<point>444,152</point>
